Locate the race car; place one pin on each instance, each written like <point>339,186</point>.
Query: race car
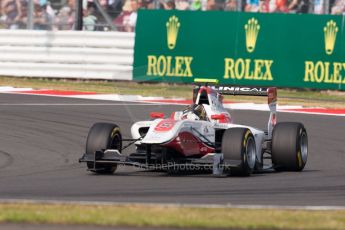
<point>203,136</point>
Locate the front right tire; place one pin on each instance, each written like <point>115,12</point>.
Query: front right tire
<point>239,151</point>
<point>289,146</point>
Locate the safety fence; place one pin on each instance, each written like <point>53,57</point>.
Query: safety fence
<point>67,54</point>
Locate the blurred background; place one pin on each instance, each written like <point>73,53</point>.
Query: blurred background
<point>120,15</point>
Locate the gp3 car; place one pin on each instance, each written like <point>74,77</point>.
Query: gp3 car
<point>202,136</point>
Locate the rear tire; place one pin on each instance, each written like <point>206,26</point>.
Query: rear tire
<point>289,146</point>
<point>103,136</point>
<point>238,147</point>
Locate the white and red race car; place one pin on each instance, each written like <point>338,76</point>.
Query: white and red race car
<point>202,137</point>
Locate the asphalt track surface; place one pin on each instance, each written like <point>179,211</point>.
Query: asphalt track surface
<point>41,139</point>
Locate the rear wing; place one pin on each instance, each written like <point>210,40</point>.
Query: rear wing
<point>240,90</point>
<point>269,92</point>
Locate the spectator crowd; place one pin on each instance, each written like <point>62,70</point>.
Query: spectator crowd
<point>14,15</point>
<point>60,14</point>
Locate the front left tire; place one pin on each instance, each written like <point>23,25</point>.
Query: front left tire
<point>103,136</point>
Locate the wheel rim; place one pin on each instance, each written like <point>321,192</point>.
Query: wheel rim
<point>250,152</point>
<point>304,147</point>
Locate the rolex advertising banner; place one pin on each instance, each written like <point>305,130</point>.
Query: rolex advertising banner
<point>284,50</point>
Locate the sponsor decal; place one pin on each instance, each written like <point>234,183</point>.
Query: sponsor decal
<point>257,69</point>
<point>252,29</point>
<point>239,89</point>
<point>173,26</point>
<point>166,65</point>
<point>323,71</point>
<point>330,31</point>
<point>178,66</point>
<point>165,125</point>
<point>247,68</point>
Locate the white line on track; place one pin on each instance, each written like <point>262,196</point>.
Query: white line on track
<point>77,104</point>
<point>153,104</point>
<point>135,99</point>
<point>311,113</point>
<point>228,205</point>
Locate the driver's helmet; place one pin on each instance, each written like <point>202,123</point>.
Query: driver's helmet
<point>195,112</point>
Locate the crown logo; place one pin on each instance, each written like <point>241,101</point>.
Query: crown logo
<point>252,30</point>
<point>173,26</point>
<point>330,31</point>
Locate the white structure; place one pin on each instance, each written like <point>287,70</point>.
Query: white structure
<point>67,54</point>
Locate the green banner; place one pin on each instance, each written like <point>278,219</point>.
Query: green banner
<point>284,50</point>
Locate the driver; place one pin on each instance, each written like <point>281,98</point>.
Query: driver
<point>194,112</point>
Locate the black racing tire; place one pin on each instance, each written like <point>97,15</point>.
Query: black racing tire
<point>238,145</point>
<point>103,136</point>
<point>289,146</point>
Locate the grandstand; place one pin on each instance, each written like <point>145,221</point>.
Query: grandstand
<point>120,15</point>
